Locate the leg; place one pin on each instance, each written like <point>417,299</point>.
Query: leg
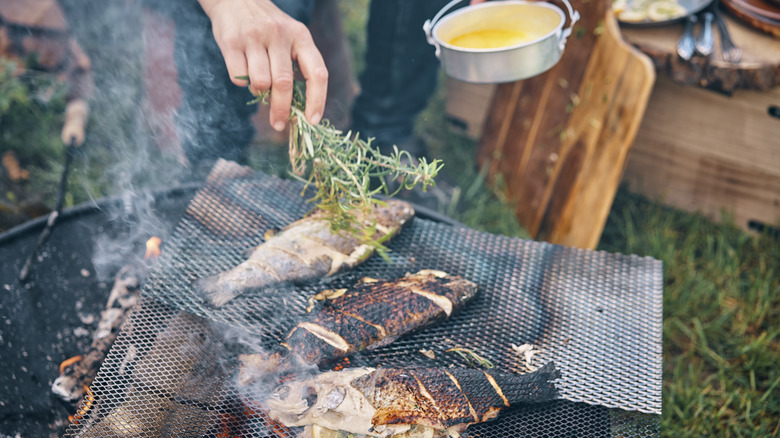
<point>400,74</point>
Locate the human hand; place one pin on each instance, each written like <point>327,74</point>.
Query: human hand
<point>476,2</point>
<point>259,40</point>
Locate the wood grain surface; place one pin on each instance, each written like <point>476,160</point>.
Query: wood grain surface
<point>703,151</point>
<point>560,140</point>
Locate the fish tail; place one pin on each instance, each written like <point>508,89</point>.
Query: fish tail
<point>216,291</point>
<point>536,386</point>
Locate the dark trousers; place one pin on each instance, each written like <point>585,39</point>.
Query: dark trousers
<point>399,78</point>
<point>400,73</point>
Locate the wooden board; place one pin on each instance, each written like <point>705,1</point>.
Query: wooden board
<point>759,68</point>
<point>702,151</point>
<point>560,140</point>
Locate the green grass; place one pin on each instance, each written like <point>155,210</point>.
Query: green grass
<point>721,347</point>
<point>721,332</point>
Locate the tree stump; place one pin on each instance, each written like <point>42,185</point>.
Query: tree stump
<point>758,70</point>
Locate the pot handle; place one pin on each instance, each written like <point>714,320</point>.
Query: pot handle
<point>428,25</point>
<point>575,16</point>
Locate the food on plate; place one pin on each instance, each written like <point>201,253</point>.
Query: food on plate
<point>638,11</point>
<point>412,402</point>
<point>665,10</point>
<point>305,249</point>
<point>369,315</point>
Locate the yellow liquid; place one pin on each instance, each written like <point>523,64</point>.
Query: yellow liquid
<point>491,39</point>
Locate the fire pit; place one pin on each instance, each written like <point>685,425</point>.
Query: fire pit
<point>172,369</point>
<point>53,315</point>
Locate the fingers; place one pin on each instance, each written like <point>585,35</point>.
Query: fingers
<point>261,42</point>
<point>316,74</point>
<point>259,69</point>
<point>235,61</point>
<point>281,84</point>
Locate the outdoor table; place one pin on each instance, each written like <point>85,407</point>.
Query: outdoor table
<point>709,138</point>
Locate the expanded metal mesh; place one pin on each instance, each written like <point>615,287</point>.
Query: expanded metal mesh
<point>172,369</point>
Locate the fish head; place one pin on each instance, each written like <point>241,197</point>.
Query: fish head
<point>327,397</point>
<point>462,291</point>
<point>293,398</point>
<point>298,397</point>
<point>393,213</point>
<point>456,289</point>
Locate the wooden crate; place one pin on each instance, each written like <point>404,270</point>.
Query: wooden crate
<point>699,150</point>
<point>467,106</point>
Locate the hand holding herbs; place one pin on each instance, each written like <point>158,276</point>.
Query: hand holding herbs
<point>348,172</point>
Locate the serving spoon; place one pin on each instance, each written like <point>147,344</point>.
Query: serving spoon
<point>686,45</point>
<point>705,42</point>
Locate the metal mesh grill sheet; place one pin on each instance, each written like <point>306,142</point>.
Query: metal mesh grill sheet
<point>596,314</point>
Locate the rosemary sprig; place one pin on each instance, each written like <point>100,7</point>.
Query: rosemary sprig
<point>471,357</point>
<point>348,172</point>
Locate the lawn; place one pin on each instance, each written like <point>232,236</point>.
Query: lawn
<point>721,344</point>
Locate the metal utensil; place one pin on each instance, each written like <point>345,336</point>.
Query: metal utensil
<point>505,64</point>
<point>704,42</point>
<point>729,51</point>
<point>25,272</point>
<point>686,45</point>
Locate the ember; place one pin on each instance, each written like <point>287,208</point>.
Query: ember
<point>153,248</point>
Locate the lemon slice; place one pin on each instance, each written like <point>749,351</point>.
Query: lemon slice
<point>633,15</point>
<point>321,432</point>
<point>619,6</point>
<point>665,10</point>
<point>417,431</point>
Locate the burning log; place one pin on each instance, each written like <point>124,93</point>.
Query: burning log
<point>181,400</point>
<point>76,374</point>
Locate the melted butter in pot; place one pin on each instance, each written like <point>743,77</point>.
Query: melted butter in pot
<point>491,39</point>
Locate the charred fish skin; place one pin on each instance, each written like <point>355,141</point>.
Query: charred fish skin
<point>383,402</point>
<point>443,398</point>
<point>375,313</point>
<point>305,249</point>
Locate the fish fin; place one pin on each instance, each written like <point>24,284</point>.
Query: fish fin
<point>386,341</point>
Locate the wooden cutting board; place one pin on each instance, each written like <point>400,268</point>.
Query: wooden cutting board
<point>560,140</point>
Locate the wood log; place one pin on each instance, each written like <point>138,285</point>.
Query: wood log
<point>560,139</point>
<point>74,380</point>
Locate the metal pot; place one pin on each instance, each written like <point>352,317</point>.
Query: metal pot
<point>504,64</point>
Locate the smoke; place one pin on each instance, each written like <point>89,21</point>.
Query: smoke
<point>133,147</point>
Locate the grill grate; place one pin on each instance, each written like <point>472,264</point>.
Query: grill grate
<point>597,315</point>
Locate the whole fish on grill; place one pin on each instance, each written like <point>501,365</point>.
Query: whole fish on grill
<point>383,402</point>
<point>371,314</point>
<point>305,249</point>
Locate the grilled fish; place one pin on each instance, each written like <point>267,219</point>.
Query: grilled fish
<point>305,249</point>
<point>384,402</point>
<point>369,315</point>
